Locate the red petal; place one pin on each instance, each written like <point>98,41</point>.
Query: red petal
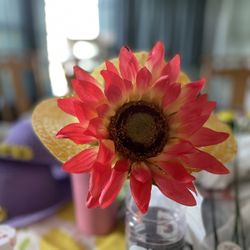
<point>92,202</point>
<point>82,75</point>
<point>205,161</point>
<point>112,78</point>
<point>205,137</point>
<point>180,148</point>
<point>87,91</point>
<point>193,89</point>
<point>172,68</point>
<point>156,57</point>
<point>198,106</point>
<point>191,187</point>
<point>171,95</point>
<point>114,86</point>
<point>67,105</point>
<point>191,117</point>
<point>96,128</point>
<point>188,124</point>
<point>83,112</point>
<point>99,177</point>
<point>208,108</point>
<point>141,172</point>
<point>173,151</point>
<point>128,85</point>
<point>143,79</point>
<point>111,67</point>
<point>74,132</point>
<point>141,192</point>
<point>188,94</point>
<point>115,183</point>
<point>81,162</point>
<point>122,165</point>
<point>106,152</point>
<point>177,171</point>
<point>162,85</point>
<point>102,110</point>
<point>175,191</point>
<point>128,64</point>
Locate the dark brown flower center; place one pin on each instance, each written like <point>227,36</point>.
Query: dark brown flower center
<point>139,130</point>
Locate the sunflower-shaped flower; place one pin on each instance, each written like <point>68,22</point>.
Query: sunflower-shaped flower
<point>143,121</point>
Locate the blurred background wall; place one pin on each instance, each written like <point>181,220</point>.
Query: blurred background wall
<point>41,40</point>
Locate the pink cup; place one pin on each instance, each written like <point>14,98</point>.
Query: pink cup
<point>91,221</point>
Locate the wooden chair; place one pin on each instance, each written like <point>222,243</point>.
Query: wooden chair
<point>16,67</point>
<point>236,70</point>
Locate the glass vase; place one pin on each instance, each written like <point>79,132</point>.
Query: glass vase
<point>163,227</point>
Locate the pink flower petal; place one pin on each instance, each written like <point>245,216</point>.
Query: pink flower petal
<point>180,148</point>
<point>191,187</point>
<point>115,183</point>
<point>99,177</point>
<point>111,67</point>
<point>205,137</point>
<point>82,75</point>
<point>106,152</point>
<point>128,64</point>
<point>193,89</point>
<point>141,192</point>
<point>114,86</point>
<point>175,190</point>
<point>96,128</point>
<point>102,110</point>
<point>81,162</point>
<point>169,91</point>
<point>128,85</point>
<point>177,171</point>
<point>205,161</point>
<point>67,105</point>
<point>188,93</point>
<point>187,125</point>
<point>84,113</point>
<point>112,78</point>
<point>208,108</point>
<point>122,165</point>
<point>172,68</point>
<point>171,95</point>
<point>143,79</point>
<point>75,132</point>
<point>191,117</point>
<point>113,94</point>
<point>141,172</point>
<point>173,151</point>
<point>87,91</point>
<point>155,59</point>
<point>197,107</point>
<point>92,202</point>
<point>162,84</point>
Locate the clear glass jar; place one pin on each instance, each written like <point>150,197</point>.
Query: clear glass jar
<point>162,227</point>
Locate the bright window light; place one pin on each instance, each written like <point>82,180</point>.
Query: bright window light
<point>85,50</point>
<point>83,23</point>
<point>68,19</point>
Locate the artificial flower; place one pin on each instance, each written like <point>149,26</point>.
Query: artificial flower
<point>143,125</point>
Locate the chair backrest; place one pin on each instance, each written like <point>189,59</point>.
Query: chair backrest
<point>236,70</point>
<point>21,101</point>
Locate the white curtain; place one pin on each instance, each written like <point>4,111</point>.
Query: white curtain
<point>227,33</point>
<point>227,28</point>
